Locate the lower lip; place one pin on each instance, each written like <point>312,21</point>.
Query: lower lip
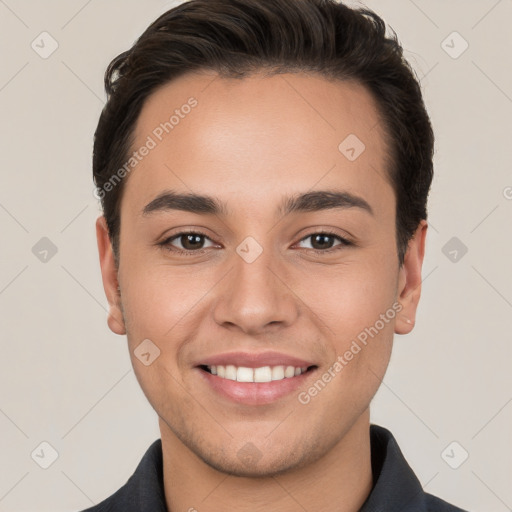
<point>255,393</point>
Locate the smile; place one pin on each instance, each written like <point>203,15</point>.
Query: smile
<point>255,386</point>
<point>260,374</point>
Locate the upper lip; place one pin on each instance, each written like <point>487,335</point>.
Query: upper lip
<point>254,360</point>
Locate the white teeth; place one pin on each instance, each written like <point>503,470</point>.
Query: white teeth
<point>278,372</point>
<point>261,374</point>
<point>289,371</point>
<point>230,372</point>
<point>244,374</point>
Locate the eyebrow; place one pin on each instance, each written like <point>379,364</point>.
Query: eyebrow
<point>307,202</point>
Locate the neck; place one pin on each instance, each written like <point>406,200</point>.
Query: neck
<point>340,481</point>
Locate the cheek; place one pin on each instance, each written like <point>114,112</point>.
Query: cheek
<point>352,297</point>
<point>158,298</point>
<point>168,307</point>
<point>357,308</point>
<point>159,306</point>
<point>363,310</point>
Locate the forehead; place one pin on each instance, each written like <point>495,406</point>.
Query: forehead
<point>257,135</point>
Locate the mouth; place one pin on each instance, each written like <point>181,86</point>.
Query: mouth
<point>256,375</point>
<point>257,385</point>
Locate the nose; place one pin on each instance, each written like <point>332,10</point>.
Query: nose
<point>255,297</point>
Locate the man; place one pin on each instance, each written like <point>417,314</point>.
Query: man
<point>264,167</point>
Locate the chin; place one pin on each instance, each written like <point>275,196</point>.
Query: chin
<point>255,466</point>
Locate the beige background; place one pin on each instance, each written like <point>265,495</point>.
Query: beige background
<point>65,379</point>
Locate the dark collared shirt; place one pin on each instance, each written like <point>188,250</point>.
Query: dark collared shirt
<point>396,488</point>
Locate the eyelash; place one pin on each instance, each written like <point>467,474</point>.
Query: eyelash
<point>166,244</point>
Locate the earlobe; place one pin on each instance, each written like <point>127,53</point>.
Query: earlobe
<point>409,280</point>
<point>109,273</point>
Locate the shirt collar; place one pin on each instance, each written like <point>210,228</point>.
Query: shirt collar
<point>395,487</point>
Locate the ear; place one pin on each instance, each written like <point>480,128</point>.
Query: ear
<point>409,280</point>
<point>115,318</point>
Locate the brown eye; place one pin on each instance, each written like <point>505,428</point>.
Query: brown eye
<point>324,242</point>
<point>186,243</point>
<point>191,241</point>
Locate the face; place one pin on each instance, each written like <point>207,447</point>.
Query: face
<point>258,242</point>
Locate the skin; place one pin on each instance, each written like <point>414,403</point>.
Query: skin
<point>249,142</point>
